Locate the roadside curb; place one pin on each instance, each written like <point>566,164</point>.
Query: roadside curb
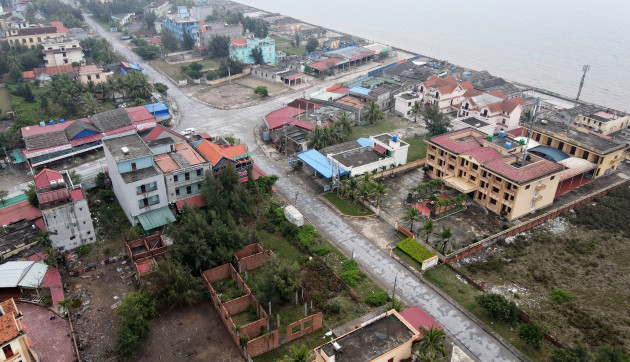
<point>463,310</point>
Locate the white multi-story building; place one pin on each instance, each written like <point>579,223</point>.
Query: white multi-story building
<point>137,182</point>
<point>404,103</point>
<point>65,210</point>
<point>62,50</point>
<point>159,8</point>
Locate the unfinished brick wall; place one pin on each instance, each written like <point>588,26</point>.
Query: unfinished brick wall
<point>217,274</point>
<point>238,305</point>
<point>253,329</point>
<point>405,232</point>
<point>247,250</point>
<point>254,261</point>
<point>315,324</point>
<point>263,344</point>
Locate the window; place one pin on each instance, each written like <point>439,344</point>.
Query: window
<point>493,201</point>
<point>98,76</point>
<point>133,166</point>
<point>187,176</point>
<point>89,77</point>
<point>533,205</point>
<point>175,178</point>
<point>572,150</point>
<point>539,182</point>
<point>552,177</point>
<point>495,190</point>
<point>177,192</point>
<point>527,187</point>
<point>30,40</point>
<point>8,352</point>
<point>72,237</point>
<point>188,190</point>
<point>585,155</point>
<point>536,193</point>
<point>199,171</point>
<point>89,232</point>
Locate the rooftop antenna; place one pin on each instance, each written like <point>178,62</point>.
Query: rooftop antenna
<point>585,69</point>
<point>531,129</point>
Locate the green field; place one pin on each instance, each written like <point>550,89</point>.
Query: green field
<point>172,71</point>
<point>347,207</point>
<point>386,125</point>
<point>417,148</point>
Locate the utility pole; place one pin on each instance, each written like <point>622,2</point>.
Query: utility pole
<point>531,129</point>
<point>585,69</point>
<point>229,76</point>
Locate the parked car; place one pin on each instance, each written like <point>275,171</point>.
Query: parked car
<point>187,131</point>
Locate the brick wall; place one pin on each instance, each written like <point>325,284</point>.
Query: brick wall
<point>238,305</point>
<point>263,344</point>
<point>248,250</point>
<point>218,273</point>
<point>405,232</point>
<point>316,324</point>
<point>254,261</point>
<point>253,329</point>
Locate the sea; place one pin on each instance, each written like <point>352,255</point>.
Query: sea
<point>540,43</point>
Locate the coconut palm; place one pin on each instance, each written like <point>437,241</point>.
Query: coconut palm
<point>317,139</point>
<point>345,122</point>
<point>411,216</point>
<point>90,105</point>
<point>298,354</point>
<point>351,187</point>
<point>416,109</point>
<point>432,342</point>
<point>427,229</point>
<point>446,236</point>
<point>103,89</point>
<point>380,191</point>
<point>373,113</point>
<point>365,191</point>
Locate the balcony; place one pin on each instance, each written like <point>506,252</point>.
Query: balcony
<point>541,187</point>
<point>537,198</point>
<point>509,203</point>
<point>510,192</point>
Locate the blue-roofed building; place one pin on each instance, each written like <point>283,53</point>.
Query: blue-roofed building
<point>319,163</point>
<point>158,110</point>
<point>359,91</point>
<point>181,23</point>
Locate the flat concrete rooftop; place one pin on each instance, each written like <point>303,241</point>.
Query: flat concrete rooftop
<point>572,135</point>
<point>135,146</point>
<point>358,157</point>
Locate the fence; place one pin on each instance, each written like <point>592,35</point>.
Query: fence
<point>306,326</point>
<point>246,71</point>
<point>473,248</point>
<point>402,168</point>
<point>250,257</point>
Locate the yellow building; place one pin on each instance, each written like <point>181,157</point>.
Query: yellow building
<point>603,122</point>
<point>386,339</point>
<point>13,339</point>
<point>34,36</point>
<point>92,73</point>
<point>578,142</point>
<point>489,170</point>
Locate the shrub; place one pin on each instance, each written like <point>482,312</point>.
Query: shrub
<point>305,236</point>
<point>578,353</point>
<point>530,333</point>
<point>324,250</point>
<point>333,308</point>
<point>350,272</point>
<point>84,250</point>
<point>106,195</point>
<point>415,250</point>
<point>377,299</point>
<point>498,307</point>
<point>560,296</point>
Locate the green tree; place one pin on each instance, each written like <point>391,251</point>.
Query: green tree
<point>75,177</point>
<point>607,353</point>
<point>169,41</point>
<point>134,311</point>
<point>90,105</point>
<point>412,215</point>
<point>432,343</point>
<point>446,236</point>
<point>149,19</point>
<point>345,123</point>
<point>15,73</point>
<point>147,51</point>
<point>380,191</point>
<point>219,47</point>
<point>427,229</point>
<point>435,121</point>
<point>187,41</point>
<point>416,109</point>
<point>3,196</point>
<point>299,353</point>
<point>373,113</point>
<point>31,193</point>
<point>175,285</point>
<point>530,334</point>
<point>578,353</point>
<point>102,181</point>
<point>261,90</point>
<point>297,38</point>
<point>311,45</point>
<point>280,279</point>
<point>498,307</point>
<point>160,87</point>
<point>258,56</point>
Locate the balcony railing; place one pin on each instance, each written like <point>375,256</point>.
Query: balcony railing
<point>541,187</point>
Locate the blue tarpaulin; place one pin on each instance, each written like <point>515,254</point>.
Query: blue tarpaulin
<point>364,142</point>
<point>359,90</point>
<point>319,163</point>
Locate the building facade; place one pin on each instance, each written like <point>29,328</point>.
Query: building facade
<point>92,73</point>
<point>241,49</point>
<point>603,122</point>
<point>490,171</point>
<point>221,156</point>
<point>200,12</point>
<point>207,32</point>
<point>181,23</point>
<point>404,102</point>
<point>13,339</point>
<point>65,210</point>
<point>137,183</point>
<point>158,8</point>
<point>62,50</point>
<point>34,36</point>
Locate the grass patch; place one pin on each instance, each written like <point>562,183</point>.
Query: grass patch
<point>280,246</point>
<point>415,250</point>
<point>347,207</point>
<point>5,102</point>
<point>386,125</point>
<point>173,71</point>
<point>464,294</point>
<point>209,64</point>
<point>287,48</point>
<point>408,259</point>
<point>417,148</point>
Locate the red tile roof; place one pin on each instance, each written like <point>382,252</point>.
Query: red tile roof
<point>459,144</point>
<point>190,202</point>
<point>214,152</point>
<point>538,168</point>
<point>472,93</point>
<point>467,85</point>
<point>29,74</point>
<point>497,93</point>
<point>340,90</point>
<point>139,114</point>
<point>77,195</point>
<point>325,64</point>
<point>282,116</point>
<point>237,43</point>
<point>45,176</point>
<point>19,211</point>
<point>507,105</point>
<point>165,162</point>
<point>484,154</point>
<point>9,326</point>
<point>439,82</point>
<point>418,317</point>
<point>157,131</point>
<point>304,125</point>
<point>53,196</point>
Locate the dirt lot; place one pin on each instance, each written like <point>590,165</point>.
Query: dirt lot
<point>190,334</point>
<point>239,94</point>
<point>590,265</point>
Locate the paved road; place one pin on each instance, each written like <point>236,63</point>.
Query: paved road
<point>242,122</point>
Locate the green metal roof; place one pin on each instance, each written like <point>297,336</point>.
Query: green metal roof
<point>14,200</point>
<point>156,218</point>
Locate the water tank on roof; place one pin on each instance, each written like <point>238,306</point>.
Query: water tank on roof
<point>521,141</point>
<point>508,145</point>
<point>42,123</point>
<point>453,69</point>
<point>502,134</point>
<point>490,138</point>
<point>53,183</point>
<point>62,121</point>
<point>395,138</point>
<point>468,74</point>
<point>51,122</point>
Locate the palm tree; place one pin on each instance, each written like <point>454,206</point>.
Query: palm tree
<point>102,88</point>
<point>345,122</point>
<point>411,216</point>
<point>392,166</point>
<point>113,84</point>
<point>416,109</point>
<point>365,191</point>
<point>432,342</point>
<point>91,86</point>
<point>90,105</point>
<point>380,191</point>
<point>317,139</point>
<point>373,113</point>
<point>446,236</point>
<point>352,187</point>
<point>427,229</point>
<point>298,354</point>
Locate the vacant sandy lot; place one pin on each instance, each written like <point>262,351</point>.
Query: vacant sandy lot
<point>239,94</point>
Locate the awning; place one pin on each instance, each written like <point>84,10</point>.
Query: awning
<point>156,218</point>
<point>575,166</point>
<point>460,184</point>
<point>380,149</point>
<point>320,163</point>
